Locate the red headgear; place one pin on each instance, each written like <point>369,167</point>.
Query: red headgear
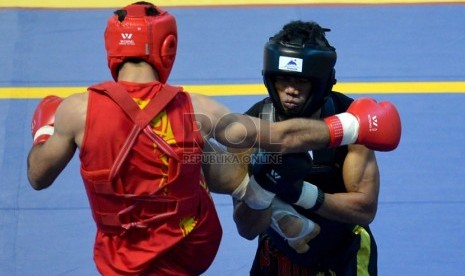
<point>152,38</point>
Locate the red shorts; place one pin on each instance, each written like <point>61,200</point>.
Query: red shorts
<point>165,248</point>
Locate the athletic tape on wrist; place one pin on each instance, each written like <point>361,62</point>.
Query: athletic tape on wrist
<point>240,190</point>
<point>308,196</point>
<point>281,209</point>
<point>256,197</point>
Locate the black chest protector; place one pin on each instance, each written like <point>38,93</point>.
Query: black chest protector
<point>327,175</point>
<point>327,163</point>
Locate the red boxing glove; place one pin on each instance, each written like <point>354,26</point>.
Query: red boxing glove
<point>44,118</point>
<point>366,122</point>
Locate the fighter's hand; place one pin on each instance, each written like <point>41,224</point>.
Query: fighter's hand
<point>366,122</point>
<point>297,229</point>
<point>44,119</point>
<point>283,176</point>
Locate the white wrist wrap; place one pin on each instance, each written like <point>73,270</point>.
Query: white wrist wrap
<point>308,196</point>
<point>239,192</point>
<point>256,197</point>
<point>281,209</point>
<point>350,127</point>
<point>45,130</point>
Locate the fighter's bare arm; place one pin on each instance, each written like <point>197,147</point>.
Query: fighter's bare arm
<point>240,131</point>
<point>47,160</point>
<point>224,169</point>
<point>361,178</point>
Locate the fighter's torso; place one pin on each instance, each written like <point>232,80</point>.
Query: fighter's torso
<point>145,166</point>
<point>107,128</point>
<point>327,175</point>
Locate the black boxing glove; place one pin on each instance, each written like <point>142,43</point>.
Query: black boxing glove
<point>285,179</point>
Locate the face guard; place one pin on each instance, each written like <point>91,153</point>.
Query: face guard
<point>151,38</point>
<point>301,61</point>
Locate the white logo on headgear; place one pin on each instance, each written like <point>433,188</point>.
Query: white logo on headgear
<point>126,35</point>
<point>290,64</point>
<point>126,39</point>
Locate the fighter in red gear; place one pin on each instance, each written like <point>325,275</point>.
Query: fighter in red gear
<point>139,142</point>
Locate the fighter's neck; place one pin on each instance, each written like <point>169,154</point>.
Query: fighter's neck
<point>137,72</point>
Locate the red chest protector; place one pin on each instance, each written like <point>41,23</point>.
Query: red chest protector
<point>139,171</point>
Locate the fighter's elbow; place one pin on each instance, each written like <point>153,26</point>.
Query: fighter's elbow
<point>37,183</point>
<point>247,230</point>
<point>371,216</point>
<point>38,186</point>
<point>246,234</point>
<point>368,215</point>
<point>253,225</point>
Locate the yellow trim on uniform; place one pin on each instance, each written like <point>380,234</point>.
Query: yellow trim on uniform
<point>258,89</point>
<point>194,3</point>
<point>363,254</point>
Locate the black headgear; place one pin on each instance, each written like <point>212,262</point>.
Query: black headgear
<point>300,59</point>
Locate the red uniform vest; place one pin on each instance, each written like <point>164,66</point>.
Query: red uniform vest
<point>140,163</point>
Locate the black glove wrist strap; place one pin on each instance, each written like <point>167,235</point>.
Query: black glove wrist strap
<point>319,200</point>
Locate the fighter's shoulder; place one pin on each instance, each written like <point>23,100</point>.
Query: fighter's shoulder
<point>195,97</point>
<point>206,105</point>
<point>75,100</point>
<point>71,114</point>
<point>73,105</point>
<point>341,100</point>
<point>257,108</point>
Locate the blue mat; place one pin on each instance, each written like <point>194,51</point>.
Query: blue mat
<point>419,226</point>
